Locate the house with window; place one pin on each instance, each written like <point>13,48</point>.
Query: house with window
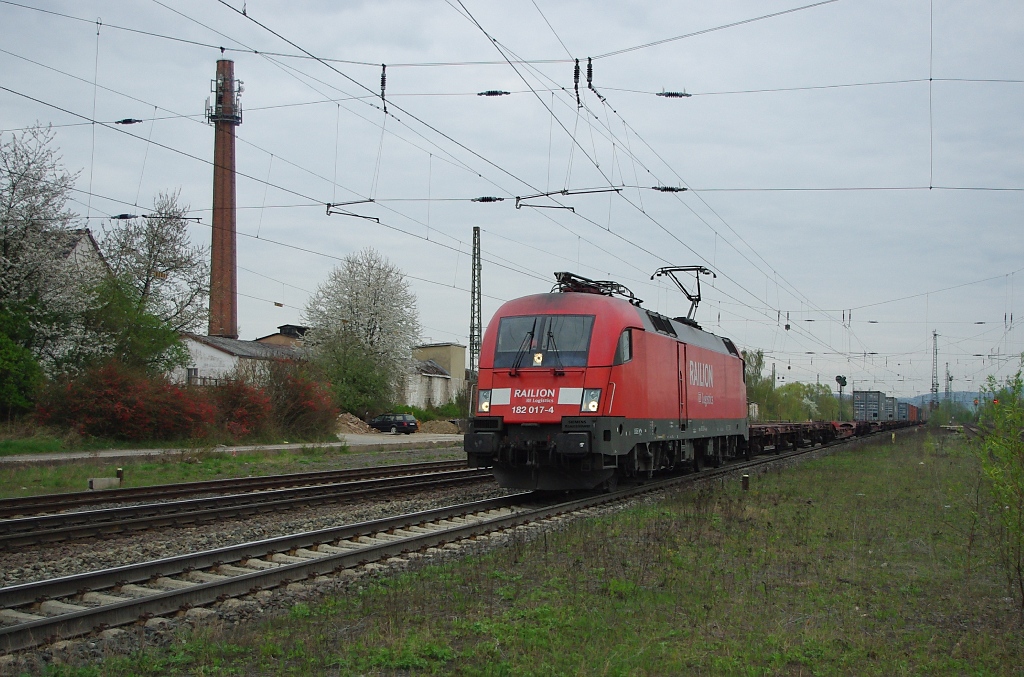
<point>213,359</point>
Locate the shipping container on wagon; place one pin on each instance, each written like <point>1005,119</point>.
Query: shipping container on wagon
<point>868,405</point>
<point>903,411</point>
<point>890,409</point>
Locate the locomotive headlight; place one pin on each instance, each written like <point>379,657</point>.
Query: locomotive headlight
<point>591,399</point>
<point>484,401</point>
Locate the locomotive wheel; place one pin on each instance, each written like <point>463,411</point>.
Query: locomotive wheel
<point>610,484</point>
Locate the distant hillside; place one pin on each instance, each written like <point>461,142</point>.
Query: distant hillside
<point>965,397</point>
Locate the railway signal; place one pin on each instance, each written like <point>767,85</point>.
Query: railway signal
<point>841,380</point>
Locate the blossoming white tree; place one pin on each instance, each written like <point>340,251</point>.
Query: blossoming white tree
<point>365,304</point>
<point>153,254</point>
<point>39,280</point>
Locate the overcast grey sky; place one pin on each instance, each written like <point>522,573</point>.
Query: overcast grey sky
<point>785,111</point>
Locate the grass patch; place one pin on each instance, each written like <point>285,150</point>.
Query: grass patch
<point>189,466</point>
<point>31,445</point>
<point>44,443</point>
<point>861,563</point>
<point>27,438</point>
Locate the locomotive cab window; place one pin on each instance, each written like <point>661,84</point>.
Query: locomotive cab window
<point>547,341</point>
<point>624,348</point>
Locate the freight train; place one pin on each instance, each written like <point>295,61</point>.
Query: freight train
<point>582,386</point>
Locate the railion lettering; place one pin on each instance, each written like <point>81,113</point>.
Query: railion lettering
<point>701,375</point>
<point>535,392</point>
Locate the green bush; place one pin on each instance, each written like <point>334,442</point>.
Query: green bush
<point>20,374</point>
<point>358,382</point>
<point>302,407</point>
<point>1000,449</point>
<point>137,338</point>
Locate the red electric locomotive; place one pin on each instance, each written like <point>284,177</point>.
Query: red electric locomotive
<point>578,388</point>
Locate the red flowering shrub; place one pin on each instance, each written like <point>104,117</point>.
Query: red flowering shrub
<point>242,410</point>
<point>302,407</point>
<point>116,402</point>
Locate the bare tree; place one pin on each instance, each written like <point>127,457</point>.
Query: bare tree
<point>40,278</point>
<point>367,300</point>
<point>155,256</point>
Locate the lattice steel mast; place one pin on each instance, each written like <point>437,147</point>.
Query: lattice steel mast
<point>475,318</point>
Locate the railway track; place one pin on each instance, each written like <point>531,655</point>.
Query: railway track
<point>36,613</point>
<point>108,522</point>
<point>44,503</point>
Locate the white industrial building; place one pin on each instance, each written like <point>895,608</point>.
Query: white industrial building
<point>438,375</point>
<point>215,358</point>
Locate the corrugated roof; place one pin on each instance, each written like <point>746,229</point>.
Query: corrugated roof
<point>431,368</point>
<point>250,349</point>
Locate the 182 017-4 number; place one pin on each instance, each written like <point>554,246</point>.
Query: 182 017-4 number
<point>533,410</point>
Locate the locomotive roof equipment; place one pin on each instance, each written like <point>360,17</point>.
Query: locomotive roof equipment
<point>571,282</point>
<point>697,271</point>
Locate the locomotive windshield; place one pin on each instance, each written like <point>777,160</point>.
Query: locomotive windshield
<point>543,341</point>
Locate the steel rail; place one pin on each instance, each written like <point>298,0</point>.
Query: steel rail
<point>364,542</point>
<point>30,505</point>
<point>68,625</point>
<point>105,522</point>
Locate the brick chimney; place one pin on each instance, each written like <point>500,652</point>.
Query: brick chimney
<point>225,114</point>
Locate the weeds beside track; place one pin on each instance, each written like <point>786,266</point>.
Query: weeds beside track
<point>858,563</point>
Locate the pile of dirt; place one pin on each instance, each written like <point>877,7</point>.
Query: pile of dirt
<point>446,427</point>
<point>347,423</point>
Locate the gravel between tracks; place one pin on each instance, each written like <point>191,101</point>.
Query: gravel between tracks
<point>72,557</point>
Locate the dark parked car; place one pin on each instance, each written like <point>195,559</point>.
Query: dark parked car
<point>395,423</point>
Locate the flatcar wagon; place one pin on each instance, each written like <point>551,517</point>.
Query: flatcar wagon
<point>582,386</point>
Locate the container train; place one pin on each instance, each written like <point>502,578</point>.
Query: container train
<point>873,405</point>
<point>582,386</point>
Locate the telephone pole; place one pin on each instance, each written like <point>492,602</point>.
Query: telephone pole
<point>225,113</point>
<point>935,370</point>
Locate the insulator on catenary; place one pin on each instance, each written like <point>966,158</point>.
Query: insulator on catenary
<point>674,95</point>
<point>488,198</point>
<point>668,189</point>
<point>576,83</point>
<point>493,92</point>
<point>590,79</point>
<point>383,85</point>
<point>127,121</point>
